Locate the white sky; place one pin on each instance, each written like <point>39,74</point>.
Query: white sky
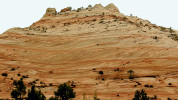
<point>22,13</point>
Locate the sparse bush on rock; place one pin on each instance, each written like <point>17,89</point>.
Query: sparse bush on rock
<point>12,69</point>
<point>4,74</point>
<point>141,95</point>
<point>101,72</point>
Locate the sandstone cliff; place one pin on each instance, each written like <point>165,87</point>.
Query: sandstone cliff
<point>74,45</point>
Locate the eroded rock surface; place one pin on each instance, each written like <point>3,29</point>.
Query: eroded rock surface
<point>77,45</point>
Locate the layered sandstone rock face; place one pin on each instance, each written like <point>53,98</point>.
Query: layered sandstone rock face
<point>66,9</point>
<point>112,7</point>
<point>51,11</point>
<point>76,45</point>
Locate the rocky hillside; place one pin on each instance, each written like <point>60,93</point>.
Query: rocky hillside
<point>75,45</point>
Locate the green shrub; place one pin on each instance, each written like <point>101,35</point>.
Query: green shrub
<point>155,97</point>
<point>103,14</point>
<point>95,97</point>
<point>173,36</point>
<point>35,94</point>
<point>50,84</point>
<point>103,79</point>
<point>170,84</point>
<point>131,72</point>
<point>20,89</point>
<point>125,18</point>
<point>25,76</point>
<point>117,69</point>
<point>15,94</point>
<point>155,37</point>
<point>18,74</point>
<point>101,22</point>
<point>12,69</point>
<point>79,9</point>
<point>4,74</point>
<point>163,28</point>
<point>89,6</point>
<point>151,86</point>
<point>168,98</point>
<point>53,98</point>
<point>170,30</point>
<point>141,23</point>
<point>141,95</point>
<point>94,20</point>
<point>65,92</point>
<point>146,85</point>
<point>101,72</point>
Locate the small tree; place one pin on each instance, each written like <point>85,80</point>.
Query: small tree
<point>170,30</point>
<point>141,95</point>
<point>89,6</point>
<point>65,92</point>
<point>131,74</point>
<point>15,94</point>
<point>102,13</point>
<point>95,97</point>
<point>35,94</point>
<point>20,89</point>
<point>79,9</point>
